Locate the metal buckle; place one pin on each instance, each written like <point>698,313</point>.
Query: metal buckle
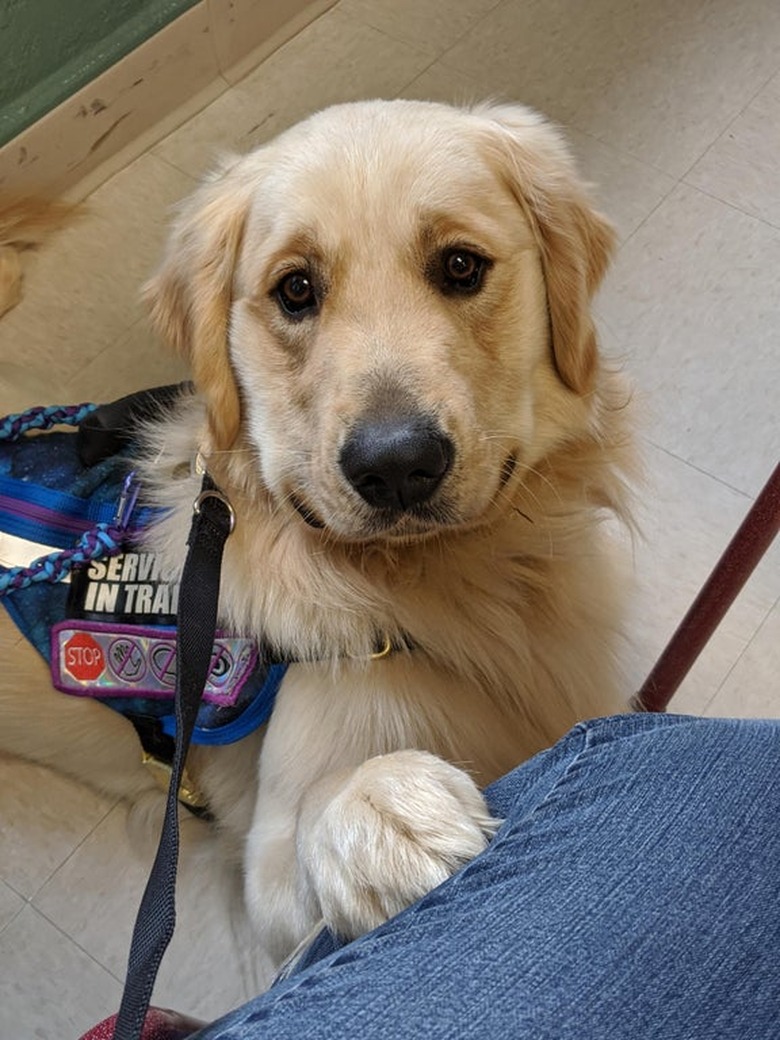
<point>198,503</point>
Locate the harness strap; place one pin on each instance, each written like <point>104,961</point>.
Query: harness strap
<point>211,525</point>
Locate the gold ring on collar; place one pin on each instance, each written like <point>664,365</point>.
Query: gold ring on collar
<point>387,647</point>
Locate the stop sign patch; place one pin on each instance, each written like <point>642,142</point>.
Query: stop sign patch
<point>83,657</point>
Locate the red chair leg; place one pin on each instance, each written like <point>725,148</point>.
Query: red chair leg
<point>735,566</point>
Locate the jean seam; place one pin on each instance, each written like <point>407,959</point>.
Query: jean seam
<point>589,730</point>
<point>582,730</point>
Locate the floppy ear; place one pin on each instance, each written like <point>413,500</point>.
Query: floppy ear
<point>191,294</point>
<point>575,241</point>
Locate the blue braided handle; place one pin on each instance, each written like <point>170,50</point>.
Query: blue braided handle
<point>13,426</point>
<point>101,541</point>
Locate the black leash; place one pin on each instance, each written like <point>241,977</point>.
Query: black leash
<point>212,523</point>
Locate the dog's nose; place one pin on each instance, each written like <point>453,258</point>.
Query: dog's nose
<point>396,462</point>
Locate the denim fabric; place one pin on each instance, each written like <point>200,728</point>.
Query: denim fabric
<point>633,891</point>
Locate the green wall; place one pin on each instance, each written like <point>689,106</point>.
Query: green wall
<point>51,48</point>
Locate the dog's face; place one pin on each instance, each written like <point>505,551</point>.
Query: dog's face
<point>390,305</point>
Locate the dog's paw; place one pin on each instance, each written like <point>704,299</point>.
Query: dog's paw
<point>375,839</point>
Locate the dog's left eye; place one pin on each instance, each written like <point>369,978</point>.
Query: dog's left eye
<point>462,271</point>
<point>295,294</point>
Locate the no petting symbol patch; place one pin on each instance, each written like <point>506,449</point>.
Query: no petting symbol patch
<point>97,659</point>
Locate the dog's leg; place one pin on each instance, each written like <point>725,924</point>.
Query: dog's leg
<point>364,844</point>
<point>341,834</point>
<point>372,840</point>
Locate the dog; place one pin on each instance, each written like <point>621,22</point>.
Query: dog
<point>25,223</point>
<point>398,387</point>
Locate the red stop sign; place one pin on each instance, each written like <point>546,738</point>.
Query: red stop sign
<point>83,657</point>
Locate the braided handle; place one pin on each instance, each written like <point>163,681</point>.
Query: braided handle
<point>13,426</point>
<point>101,541</point>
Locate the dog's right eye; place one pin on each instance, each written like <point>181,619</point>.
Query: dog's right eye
<point>295,294</point>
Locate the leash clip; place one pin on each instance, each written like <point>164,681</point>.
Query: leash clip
<point>127,500</point>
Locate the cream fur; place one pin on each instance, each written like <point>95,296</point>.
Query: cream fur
<point>509,596</point>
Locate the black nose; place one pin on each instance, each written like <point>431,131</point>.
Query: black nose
<point>396,462</point>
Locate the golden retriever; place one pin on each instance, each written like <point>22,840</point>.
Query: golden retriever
<point>387,312</point>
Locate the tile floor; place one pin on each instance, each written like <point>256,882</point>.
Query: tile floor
<point>674,111</point>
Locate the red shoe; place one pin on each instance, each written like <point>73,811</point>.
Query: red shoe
<point>159,1025</point>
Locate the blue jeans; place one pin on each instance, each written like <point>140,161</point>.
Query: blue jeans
<point>632,892</point>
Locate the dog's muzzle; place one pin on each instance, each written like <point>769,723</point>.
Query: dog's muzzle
<point>396,462</point>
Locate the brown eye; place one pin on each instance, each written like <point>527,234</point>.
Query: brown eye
<point>462,271</point>
<point>296,294</point>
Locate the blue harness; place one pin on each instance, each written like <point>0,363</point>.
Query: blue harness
<point>109,631</point>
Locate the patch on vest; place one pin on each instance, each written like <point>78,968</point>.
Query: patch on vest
<point>98,659</point>
<point>127,587</point>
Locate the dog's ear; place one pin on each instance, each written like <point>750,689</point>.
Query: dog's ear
<point>191,293</point>
<point>575,241</point>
